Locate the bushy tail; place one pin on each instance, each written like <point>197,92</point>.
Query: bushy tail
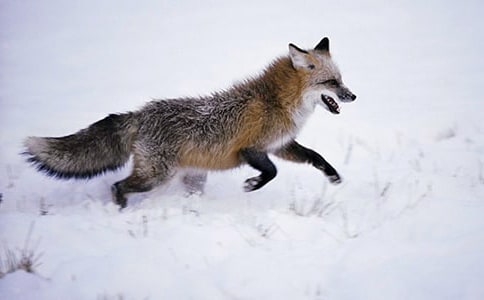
<point>103,146</point>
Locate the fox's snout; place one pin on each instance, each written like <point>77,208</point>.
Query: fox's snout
<point>345,95</point>
<point>350,97</point>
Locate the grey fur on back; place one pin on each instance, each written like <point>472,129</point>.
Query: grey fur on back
<point>205,121</point>
<point>103,146</point>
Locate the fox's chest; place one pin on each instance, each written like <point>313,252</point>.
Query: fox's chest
<point>280,141</point>
<point>295,121</point>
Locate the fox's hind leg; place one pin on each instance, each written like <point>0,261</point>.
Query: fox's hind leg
<point>194,182</point>
<point>132,184</point>
<point>260,161</point>
<point>147,173</point>
<point>297,153</point>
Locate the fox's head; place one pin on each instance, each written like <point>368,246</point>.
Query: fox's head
<point>323,83</point>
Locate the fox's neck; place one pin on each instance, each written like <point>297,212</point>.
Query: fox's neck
<point>279,85</point>
<point>280,89</point>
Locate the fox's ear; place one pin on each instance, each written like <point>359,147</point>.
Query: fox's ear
<point>299,57</point>
<point>323,45</point>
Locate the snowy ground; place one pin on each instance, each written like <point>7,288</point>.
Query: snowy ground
<point>407,223</point>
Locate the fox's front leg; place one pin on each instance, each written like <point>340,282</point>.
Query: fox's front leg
<point>260,161</point>
<point>297,153</point>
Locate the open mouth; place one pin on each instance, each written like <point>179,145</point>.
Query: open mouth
<point>331,104</point>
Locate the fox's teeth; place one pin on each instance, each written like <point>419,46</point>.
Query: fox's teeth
<point>331,104</point>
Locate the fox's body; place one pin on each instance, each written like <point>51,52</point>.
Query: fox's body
<point>221,131</point>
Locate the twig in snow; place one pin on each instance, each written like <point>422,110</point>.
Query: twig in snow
<point>346,226</point>
<point>44,208</point>
<point>11,177</point>
<point>481,173</point>
<point>267,231</point>
<point>145,226</point>
<point>349,152</point>
<point>385,190</point>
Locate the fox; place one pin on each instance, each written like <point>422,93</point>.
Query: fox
<point>241,125</point>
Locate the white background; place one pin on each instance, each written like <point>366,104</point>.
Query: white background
<point>406,223</point>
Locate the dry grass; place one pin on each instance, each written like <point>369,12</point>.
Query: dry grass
<point>26,258</point>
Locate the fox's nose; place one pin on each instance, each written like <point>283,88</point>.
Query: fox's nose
<point>353,97</point>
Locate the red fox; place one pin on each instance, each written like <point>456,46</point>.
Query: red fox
<point>240,125</point>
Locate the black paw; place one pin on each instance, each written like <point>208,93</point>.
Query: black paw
<point>335,179</point>
<point>254,183</point>
<point>118,198</point>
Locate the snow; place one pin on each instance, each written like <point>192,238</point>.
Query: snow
<point>406,223</point>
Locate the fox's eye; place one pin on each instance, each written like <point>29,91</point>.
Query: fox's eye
<point>331,82</point>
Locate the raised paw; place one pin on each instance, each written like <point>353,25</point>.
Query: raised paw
<point>335,179</point>
<point>253,184</point>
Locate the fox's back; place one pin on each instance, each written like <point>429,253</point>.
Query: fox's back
<point>205,120</point>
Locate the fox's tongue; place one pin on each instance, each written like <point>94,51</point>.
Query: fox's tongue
<point>331,104</point>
